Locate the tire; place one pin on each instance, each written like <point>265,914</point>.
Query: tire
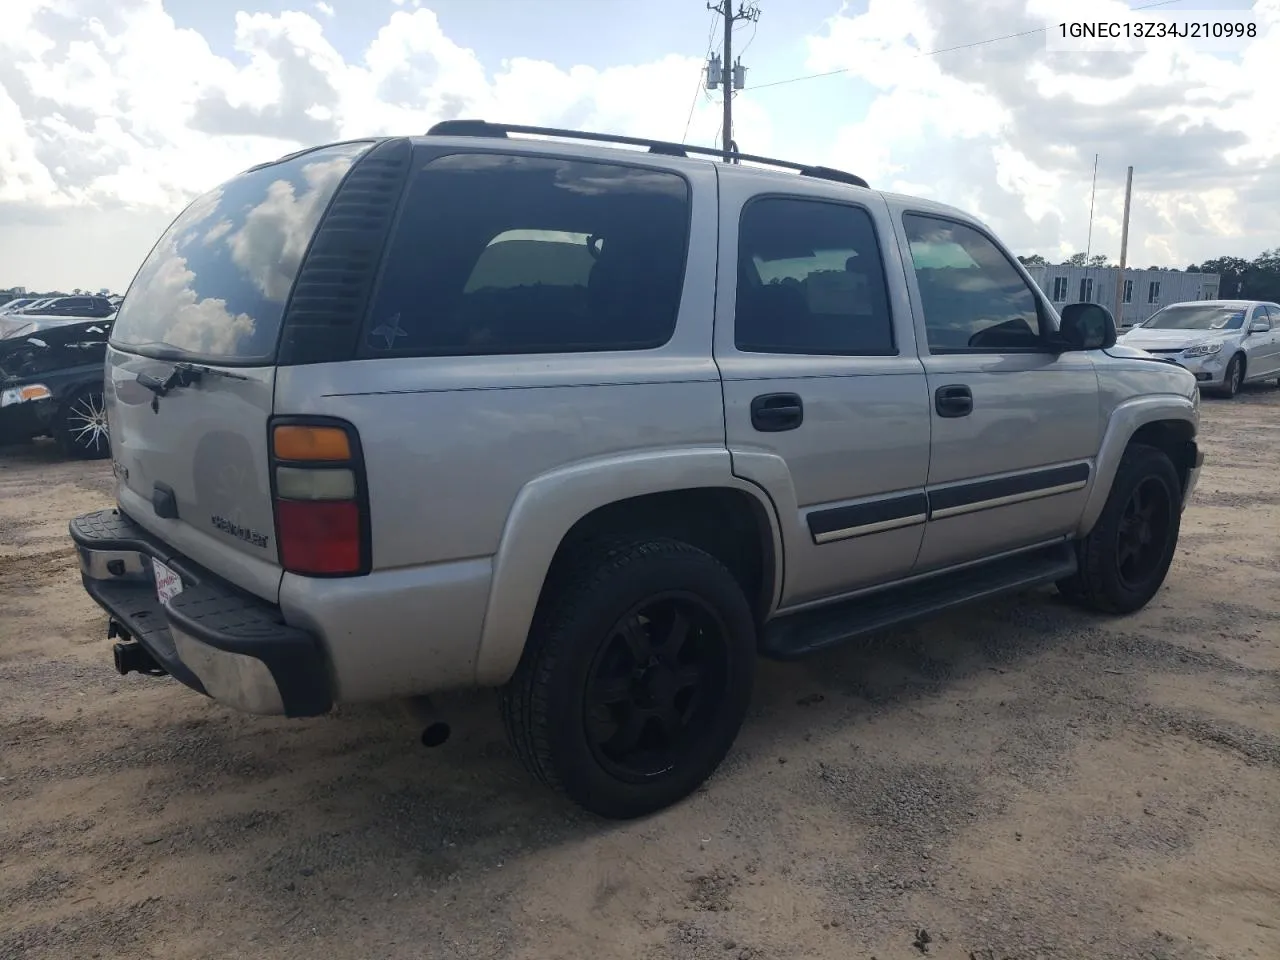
<point>1111,578</point>
<point>579,697</point>
<point>81,426</point>
<point>1234,377</point>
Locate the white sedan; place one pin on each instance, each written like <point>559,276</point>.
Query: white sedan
<point>1225,343</point>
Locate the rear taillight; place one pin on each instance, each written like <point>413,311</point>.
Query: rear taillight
<point>320,505</point>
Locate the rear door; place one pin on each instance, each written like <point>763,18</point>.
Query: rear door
<point>191,460</point>
<point>1015,426</point>
<point>824,396</point>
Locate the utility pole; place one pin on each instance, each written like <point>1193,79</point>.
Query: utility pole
<point>1088,244</point>
<point>1124,245</point>
<point>728,75</point>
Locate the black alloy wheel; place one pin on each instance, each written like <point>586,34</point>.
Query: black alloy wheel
<point>657,678</point>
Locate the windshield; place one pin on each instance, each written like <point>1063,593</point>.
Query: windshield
<point>1196,317</point>
<point>215,285</point>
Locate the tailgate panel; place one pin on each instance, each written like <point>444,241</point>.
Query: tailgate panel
<point>206,444</point>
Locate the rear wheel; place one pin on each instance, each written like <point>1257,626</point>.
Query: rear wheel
<point>1125,558</point>
<point>81,427</point>
<point>635,679</point>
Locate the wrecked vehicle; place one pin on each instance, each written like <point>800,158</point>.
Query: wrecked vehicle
<point>51,383</point>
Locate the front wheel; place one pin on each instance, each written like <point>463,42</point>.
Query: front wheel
<point>81,427</point>
<point>1125,558</point>
<point>1234,377</point>
<point>635,679</point>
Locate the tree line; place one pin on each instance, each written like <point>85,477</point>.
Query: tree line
<point>1256,279</point>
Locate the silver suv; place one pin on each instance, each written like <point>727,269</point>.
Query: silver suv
<point>596,426</point>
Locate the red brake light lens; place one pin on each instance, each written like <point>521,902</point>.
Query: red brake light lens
<point>319,536</point>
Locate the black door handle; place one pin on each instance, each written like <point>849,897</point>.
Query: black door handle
<point>774,412</point>
<point>953,400</point>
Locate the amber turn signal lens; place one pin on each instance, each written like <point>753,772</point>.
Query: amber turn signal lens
<point>328,444</point>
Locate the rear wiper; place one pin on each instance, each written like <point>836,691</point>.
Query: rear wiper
<point>183,375</point>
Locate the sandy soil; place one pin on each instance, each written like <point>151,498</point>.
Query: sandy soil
<point>1018,781</point>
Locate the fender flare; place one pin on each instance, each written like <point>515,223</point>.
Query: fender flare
<point>1126,420</point>
<point>547,508</point>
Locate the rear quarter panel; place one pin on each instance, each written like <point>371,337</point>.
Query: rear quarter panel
<point>450,443</point>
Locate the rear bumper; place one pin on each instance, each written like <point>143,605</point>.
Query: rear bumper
<point>225,644</point>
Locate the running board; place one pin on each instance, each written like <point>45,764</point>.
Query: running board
<point>794,635</point>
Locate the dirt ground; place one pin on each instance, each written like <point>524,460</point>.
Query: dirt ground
<point>1018,781</point>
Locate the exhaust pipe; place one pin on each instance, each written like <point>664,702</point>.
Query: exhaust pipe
<point>132,657</point>
<point>435,731</point>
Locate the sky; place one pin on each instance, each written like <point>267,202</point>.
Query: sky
<point>116,113</point>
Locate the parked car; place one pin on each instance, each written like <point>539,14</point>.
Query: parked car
<point>96,308</point>
<point>596,427</point>
<point>15,304</point>
<point>1225,343</point>
<point>34,304</point>
<point>51,384</point>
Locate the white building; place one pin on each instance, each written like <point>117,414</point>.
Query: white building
<point>1145,291</point>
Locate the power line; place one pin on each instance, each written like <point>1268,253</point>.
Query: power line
<point>755,25</point>
<point>711,32</point>
<point>931,53</point>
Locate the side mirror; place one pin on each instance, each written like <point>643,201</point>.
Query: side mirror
<point>1087,326</point>
<point>1259,326</point>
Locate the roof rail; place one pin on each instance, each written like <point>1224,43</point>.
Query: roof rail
<point>482,128</point>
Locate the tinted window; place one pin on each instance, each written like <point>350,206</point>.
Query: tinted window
<point>215,285</point>
<point>508,254</point>
<point>972,297</point>
<point>810,280</point>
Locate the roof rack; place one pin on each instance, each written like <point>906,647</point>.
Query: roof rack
<point>482,128</point>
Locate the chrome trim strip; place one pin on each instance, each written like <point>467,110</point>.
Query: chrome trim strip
<point>869,528</point>
<point>1006,501</point>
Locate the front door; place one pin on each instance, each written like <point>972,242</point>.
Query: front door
<point>825,398</point>
<point>1015,425</point>
<point>1264,348</point>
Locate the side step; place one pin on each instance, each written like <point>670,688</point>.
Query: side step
<point>795,635</point>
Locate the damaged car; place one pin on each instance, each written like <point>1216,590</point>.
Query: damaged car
<point>51,383</point>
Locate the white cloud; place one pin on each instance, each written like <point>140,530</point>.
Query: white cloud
<point>270,244</point>
<point>126,113</point>
<point>1009,131</point>
<point>165,307</point>
<point>111,113</point>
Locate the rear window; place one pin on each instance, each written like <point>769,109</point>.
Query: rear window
<point>215,286</point>
<point>498,254</point>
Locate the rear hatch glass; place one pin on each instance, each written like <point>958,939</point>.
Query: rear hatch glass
<point>214,288</point>
<point>192,460</point>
